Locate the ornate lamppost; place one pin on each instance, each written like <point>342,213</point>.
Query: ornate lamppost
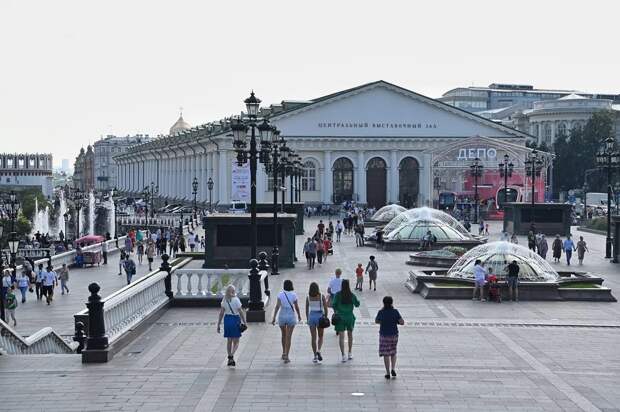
<point>298,175</point>
<point>476,169</point>
<point>77,196</point>
<point>533,165</point>
<point>608,158</point>
<point>195,192</point>
<point>505,171</point>
<point>146,196</point>
<point>240,128</point>
<point>274,168</point>
<point>210,187</point>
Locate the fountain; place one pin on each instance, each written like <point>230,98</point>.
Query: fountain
<point>538,280</point>
<point>62,224</point>
<point>109,205</point>
<point>91,213</point>
<point>384,215</point>
<point>41,219</point>
<point>81,222</point>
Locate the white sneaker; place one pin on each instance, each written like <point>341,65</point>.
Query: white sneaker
<point>344,359</point>
<point>350,356</point>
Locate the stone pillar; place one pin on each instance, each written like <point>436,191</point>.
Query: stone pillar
<point>360,179</point>
<point>327,186</point>
<point>393,177</point>
<point>223,165</point>
<point>425,197</point>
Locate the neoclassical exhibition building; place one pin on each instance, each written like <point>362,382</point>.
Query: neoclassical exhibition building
<point>376,143</point>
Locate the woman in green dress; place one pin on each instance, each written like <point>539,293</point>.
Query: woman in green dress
<point>343,305</point>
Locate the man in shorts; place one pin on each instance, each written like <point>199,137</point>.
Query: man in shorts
<point>49,281</point>
<point>480,278</point>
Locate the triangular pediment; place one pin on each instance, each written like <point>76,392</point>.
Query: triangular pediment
<point>381,109</point>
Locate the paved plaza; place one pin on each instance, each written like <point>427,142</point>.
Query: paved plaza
<point>453,355</point>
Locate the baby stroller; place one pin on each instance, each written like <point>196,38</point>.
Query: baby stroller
<point>495,293</point>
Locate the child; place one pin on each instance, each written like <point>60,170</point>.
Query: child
<point>11,303</point>
<point>495,294</point>
<point>359,274</point>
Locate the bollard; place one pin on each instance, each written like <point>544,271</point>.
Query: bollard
<point>256,311</point>
<point>165,267</point>
<point>97,342</point>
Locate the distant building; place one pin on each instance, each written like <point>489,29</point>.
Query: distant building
<point>26,170</point>
<point>84,170</point>
<point>499,95</point>
<point>542,113</point>
<point>105,149</point>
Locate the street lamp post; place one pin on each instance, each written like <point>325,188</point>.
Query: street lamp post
<point>195,192</point>
<point>77,196</point>
<point>533,166</point>
<point>210,187</point>
<point>608,158</point>
<point>505,171</point>
<point>274,167</point>
<point>154,194</point>
<point>146,195</point>
<point>476,171</point>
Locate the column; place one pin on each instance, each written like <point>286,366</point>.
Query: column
<point>213,173</point>
<point>360,179</point>
<point>327,186</point>
<point>425,197</point>
<point>393,177</point>
<point>222,185</point>
<point>204,195</point>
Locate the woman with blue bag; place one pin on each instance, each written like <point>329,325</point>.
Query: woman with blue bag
<point>234,322</point>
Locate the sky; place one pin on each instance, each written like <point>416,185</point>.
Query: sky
<point>73,71</point>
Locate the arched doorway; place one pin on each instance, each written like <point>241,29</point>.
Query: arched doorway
<point>408,182</point>
<point>343,180</point>
<point>376,182</point>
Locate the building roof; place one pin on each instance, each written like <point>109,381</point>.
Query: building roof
<point>179,126</point>
<point>572,96</point>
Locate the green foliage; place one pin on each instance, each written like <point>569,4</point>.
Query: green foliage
<point>22,227</point>
<point>576,153</point>
<point>27,199</point>
<point>599,223</point>
<point>218,286</point>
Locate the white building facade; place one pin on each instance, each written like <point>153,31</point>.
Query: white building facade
<point>372,144</point>
<point>105,149</point>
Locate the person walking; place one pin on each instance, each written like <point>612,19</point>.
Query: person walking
<point>556,246</point>
<point>49,281</point>
<point>286,306</point>
<point>7,282</point>
<point>320,249</point>
<point>121,260</point>
<point>233,315</point>
<point>372,268</point>
<point>543,247</point>
<point>327,247</point>
<point>38,281</point>
<point>568,247</point>
<point>388,318</point>
<point>23,283</point>
<point>130,268</point>
<point>480,276</point>
<point>316,308</point>
<point>582,248</point>
<point>150,253</point>
<point>63,275</point>
<point>312,250</point>
<point>11,304</point>
<point>359,277</point>
<point>335,284</point>
<point>513,281</point>
<point>339,229</point>
<point>104,252</point>
<point>140,251</point>
<point>344,302</point>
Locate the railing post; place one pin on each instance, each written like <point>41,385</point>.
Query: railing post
<point>263,265</point>
<point>97,341</point>
<point>165,267</point>
<point>256,312</point>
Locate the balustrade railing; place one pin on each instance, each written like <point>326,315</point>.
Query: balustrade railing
<point>42,342</point>
<point>127,307</point>
<point>211,282</point>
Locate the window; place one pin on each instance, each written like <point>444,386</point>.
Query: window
<point>270,183</point>
<point>308,178</point>
<point>547,133</point>
<point>562,129</point>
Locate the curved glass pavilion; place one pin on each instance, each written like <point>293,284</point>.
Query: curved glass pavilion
<point>415,231</point>
<point>387,213</point>
<point>426,214</point>
<point>497,256</point>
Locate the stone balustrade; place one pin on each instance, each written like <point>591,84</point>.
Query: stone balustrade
<point>42,342</point>
<point>211,282</point>
<point>129,306</point>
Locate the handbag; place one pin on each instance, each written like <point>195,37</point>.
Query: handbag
<point>336,319</point>
<point>242,326</point>
<point>324,322</point>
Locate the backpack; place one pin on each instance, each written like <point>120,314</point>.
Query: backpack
<point>130,266</point>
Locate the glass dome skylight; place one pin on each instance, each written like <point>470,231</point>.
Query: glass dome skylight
<point>425,213</point>
<point>416,230</point>
<point>497,256</point>
<point>387,213</point>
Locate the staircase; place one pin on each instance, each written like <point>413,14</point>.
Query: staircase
<point>45,341</point>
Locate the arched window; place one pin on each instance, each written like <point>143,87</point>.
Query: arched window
<point>342,180</point>
<point>562,129</point>
<point>547,135</point>
<point>308,178</point>
<point>535,131</point>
